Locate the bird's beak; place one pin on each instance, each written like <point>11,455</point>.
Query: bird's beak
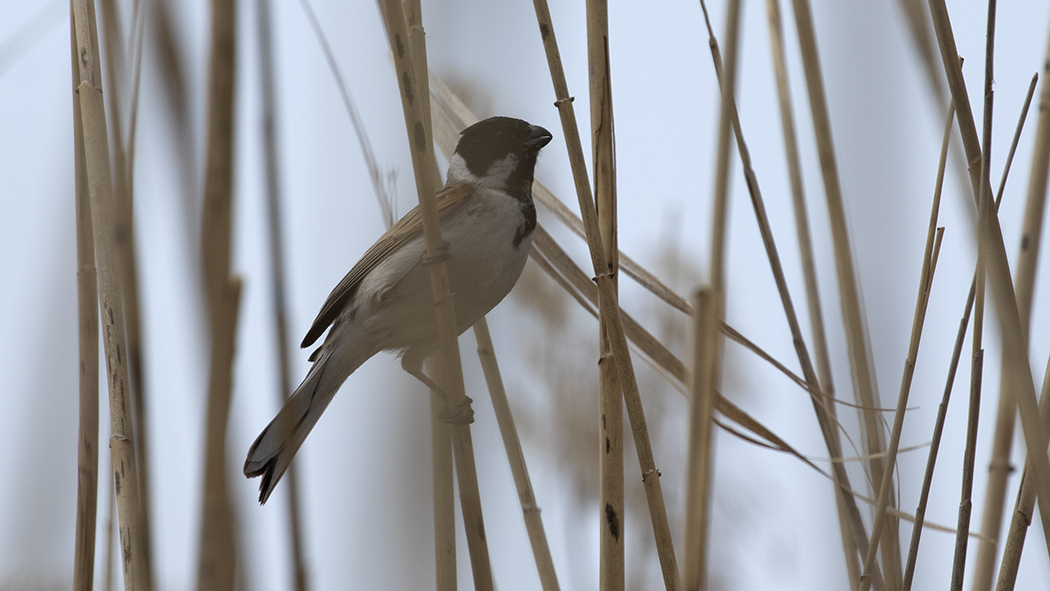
<point>538,137</point>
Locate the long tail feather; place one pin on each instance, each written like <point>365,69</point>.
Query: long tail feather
<point>273,450</point>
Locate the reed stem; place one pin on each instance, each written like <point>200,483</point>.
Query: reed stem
<point>625,369</point>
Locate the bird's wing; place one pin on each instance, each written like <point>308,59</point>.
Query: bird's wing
<point>449,200</point>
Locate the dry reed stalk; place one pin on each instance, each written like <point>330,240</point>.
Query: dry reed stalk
<point>442,445</point>
<point>865,385</point>
<point>135,357</point>
<point>809,273</point>
<point>926,46</point>
<point>104,223</point>
<point>919,25</point>
<point>977,364</point>
<point>415,101</point>
<point>217,550</point>
<point>441,450</point>
<point>607,294</point>
<point>556,263</point>
<point>960,336</point>
<point>709,305</point>
<point>441,434</point>
<point>1032,227</point>
<point>610,398</point>
<point>267,71</point>
<point>444,497</point>
<point>375,174</point>
<point>999,469</point>
<point>516,458</point>
<point>969,453</point>
<point>1031,233</point>
<point>87,327</point>
<point>625,263</point>
<point>727,82</point>
<point>1016,368</point>
<point>1025,502</point>
<point>217,557</point>
<point>174,77</point>
<point>710,312</point>
<point>1017,138</point>
<point>1023,506</point>
<point>850,522</point>
<point>122,193</point>
<point>700,459</point>
<point>920,511</point>
<point>929,266</point>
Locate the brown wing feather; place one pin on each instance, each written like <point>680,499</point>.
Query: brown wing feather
<point>406,229</point>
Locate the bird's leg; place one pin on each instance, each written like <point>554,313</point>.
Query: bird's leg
<point>461,414</point>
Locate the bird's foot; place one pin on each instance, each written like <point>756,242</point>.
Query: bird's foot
<point>458,414</point>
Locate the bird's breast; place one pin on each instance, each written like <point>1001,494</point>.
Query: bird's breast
<point>489,243</point>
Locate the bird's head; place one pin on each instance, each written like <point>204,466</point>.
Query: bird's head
<point>498,153</point>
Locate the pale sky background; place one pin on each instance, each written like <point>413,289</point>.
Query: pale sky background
<point>365,468</point>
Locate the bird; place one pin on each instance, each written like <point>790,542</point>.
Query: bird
<point>385,302</point>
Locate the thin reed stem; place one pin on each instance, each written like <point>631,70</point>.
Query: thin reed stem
<point>957,349</point>
<point>1031,236</point>
<point>929,266</point>
<point>516,458</point>
<point>410,66</point>
<point>920,511</point>
<point>625,369</point>
<point>1031,227</point>
<point>1015,367</point>
<point>1017,138</point>
<point>709,305</point>
<point>104,220</point>
<point>1024,505</point>
<point>216,569</point>
<point>986,549</point>
<point>383,197</point>
<point>710,313</point>
<point>556,263</point>
<point>122,192</point>
<point>969,453</point>
<point>610,399</point>
<point>87,325</point>
<point>268,91</point>
<point>1035,205</point>
<point>855,526</point>
<point>809,273</point>
<point>442,444</point>
<point>443,476</point>
<point>700,455</point>
<point>977,368</point>
<point>865,384</point>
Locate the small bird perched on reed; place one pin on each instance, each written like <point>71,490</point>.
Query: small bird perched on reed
<point>385,302</point>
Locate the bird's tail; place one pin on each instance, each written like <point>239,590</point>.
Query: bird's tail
<point>273,450</point>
